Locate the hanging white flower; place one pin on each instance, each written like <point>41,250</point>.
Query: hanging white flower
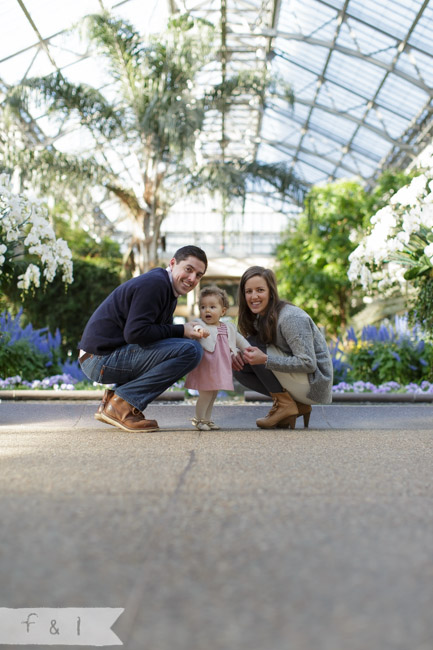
<point>25,227</point>
<point>401,238</point>
<point>410,194</point>
<point>428,250</point>
<point>30,277</point>
<point>3,250</point>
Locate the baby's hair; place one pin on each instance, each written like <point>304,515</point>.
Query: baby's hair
<point>215,291</point>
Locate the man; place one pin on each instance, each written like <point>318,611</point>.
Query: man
<point>130,340</point>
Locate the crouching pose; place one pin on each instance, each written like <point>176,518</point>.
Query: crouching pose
<point>131,341</point>
<point>288,357</point>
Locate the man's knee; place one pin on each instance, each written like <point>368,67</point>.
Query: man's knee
<point>194,349</point>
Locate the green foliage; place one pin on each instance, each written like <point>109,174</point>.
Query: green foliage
<point>313,257</point>
<point>380,362</point>
<point>422,312</point>
<point>97,271</point>
<point>386,185</point>
<point>68,310</point>
<point>385,353</point>
<point>66,98</point>
<point>102,251</point>
<point>23,359</point>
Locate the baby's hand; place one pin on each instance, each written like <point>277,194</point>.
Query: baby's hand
<point>202,331</point>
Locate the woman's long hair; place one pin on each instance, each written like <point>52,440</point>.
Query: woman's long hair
<point>266,324</point>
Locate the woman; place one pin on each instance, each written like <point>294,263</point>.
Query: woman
<point>288,358</point>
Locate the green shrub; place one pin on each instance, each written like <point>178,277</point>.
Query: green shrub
<point>22,358</point>
<point>388,354</point>
<point>66,310</point>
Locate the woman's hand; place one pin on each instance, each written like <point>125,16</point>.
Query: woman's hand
<point>254,356</point>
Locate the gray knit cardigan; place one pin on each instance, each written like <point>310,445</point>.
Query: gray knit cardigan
<point>305,350</point>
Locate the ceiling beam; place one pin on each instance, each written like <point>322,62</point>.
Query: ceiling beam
<point>274,22</point>
<point>42,43</point>
<point>351,118</point>
<point>284,147</point>
<point>329,45</point>
<point>401,145</point>
<point>352,91</point>
<point>332,137</point>
<point>376,28</point>
<point>321,77</point>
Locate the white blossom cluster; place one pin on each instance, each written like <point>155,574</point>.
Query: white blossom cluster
<point>403,227</point>
<point>24,227</point>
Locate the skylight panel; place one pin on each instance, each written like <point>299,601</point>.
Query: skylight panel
<point>393,17</point>
<point>353,72</point>
<point>380,118</point>
<point>296,50</point>
<point>366,39</point>
<point>311,174</point>
<point>401,96</point>
<point>299,78</point>
<point>13,70</point>
<point>317,161</point>
<point>418,65</point>
<point>330,123</point>
<point>340,99</point>
<point>365,167</point>
<point>49,20</point>
<point>16,33</point>
<point>421,36</point>
<point>374,143</point>
<point>307,16</point>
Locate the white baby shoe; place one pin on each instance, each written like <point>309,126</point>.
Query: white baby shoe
<point>202,425</point>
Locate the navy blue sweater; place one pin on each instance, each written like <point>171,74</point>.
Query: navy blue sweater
<point>138,311</point>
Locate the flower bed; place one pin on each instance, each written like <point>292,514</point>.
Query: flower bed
<point>388,387</point>
<point>388,355</point>
<point>55,382</point>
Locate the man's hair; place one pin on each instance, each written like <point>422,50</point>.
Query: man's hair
<point>190,251</point>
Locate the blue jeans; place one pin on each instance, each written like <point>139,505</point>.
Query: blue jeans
<point>142,372</point>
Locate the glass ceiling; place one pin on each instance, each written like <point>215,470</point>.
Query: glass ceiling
<point>361,71</point>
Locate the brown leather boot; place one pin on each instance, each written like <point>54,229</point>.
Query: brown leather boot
<point>304,409</point>
<point>126,417</point>
<point>108,394</point>
<point>283,409</point>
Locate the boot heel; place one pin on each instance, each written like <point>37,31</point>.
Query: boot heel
<point>306,420</point>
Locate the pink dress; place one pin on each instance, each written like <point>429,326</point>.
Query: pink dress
<point>214,372</point>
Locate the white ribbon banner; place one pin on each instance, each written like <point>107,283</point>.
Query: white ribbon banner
<point>59,626</point>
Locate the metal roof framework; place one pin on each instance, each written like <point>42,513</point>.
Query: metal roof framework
<point>362,75</point>
<point>361,72</point>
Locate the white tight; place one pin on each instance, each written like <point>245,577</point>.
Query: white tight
<point>204,405</point>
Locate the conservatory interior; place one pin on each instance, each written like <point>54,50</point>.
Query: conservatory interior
<point>295,135</point>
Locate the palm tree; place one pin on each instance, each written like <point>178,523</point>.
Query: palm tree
<point>155,115</point>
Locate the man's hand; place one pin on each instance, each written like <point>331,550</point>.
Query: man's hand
<point>254,356</point>
<point>194,331</point>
